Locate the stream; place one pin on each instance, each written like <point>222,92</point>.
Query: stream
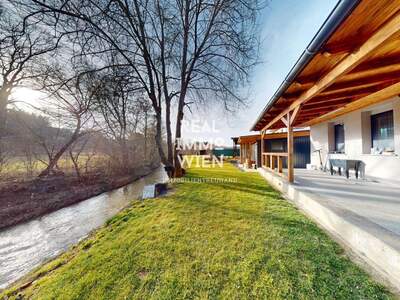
<point>25,246</point>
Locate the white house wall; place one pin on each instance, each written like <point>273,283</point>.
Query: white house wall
<point>358,140</point>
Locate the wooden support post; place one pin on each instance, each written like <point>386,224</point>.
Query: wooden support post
<point>273,164</point>
<point>262,158</point>
<point>262,149</point>
<point>280,164</point>
<point>294,115</point>
<point>248,155</point>
<point>290,164</point>
<point>241,149</point>
<point>245,155</point>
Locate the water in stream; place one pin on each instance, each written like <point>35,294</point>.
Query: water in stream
<point>25,246</point>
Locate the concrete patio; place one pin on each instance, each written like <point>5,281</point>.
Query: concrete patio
<point>363,215</point>
<point>378,201</point>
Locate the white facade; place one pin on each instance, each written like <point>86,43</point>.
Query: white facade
<point>357,129</point>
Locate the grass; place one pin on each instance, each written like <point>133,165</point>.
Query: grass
<point>205,241</point>
<point>17,166</point>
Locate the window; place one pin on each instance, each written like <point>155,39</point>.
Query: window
<point>276,145</point>
<point>339,138</point>
<point>382,132</point>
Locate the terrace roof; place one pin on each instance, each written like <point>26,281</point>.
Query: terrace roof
<point>352,62</point>
<point>251,139</point>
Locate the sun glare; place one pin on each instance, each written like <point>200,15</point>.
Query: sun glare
<point>26,98</point>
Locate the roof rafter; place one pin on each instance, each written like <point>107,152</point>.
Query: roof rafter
<point>371,99</point>
<point>347,46</point>
<point>354,80</point>
<point>376,65</point>
<point>345,66</point>
<point>326,104</point>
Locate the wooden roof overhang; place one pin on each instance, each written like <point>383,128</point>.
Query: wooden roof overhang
<point>251,139</point>
<point>358,65</point>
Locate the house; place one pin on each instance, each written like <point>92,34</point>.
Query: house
<point>276,145</point>
<point>345,88</point>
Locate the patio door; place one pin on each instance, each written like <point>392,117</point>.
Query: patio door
<point>302,152</point>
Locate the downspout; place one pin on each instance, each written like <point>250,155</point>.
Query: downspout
<point>341,11</point>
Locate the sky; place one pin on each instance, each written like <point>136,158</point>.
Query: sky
<point>287,28</point>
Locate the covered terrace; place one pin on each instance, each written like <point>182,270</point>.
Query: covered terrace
<point>251,145</point>
<point>353,62</point>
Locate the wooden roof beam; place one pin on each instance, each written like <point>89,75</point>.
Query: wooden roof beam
<point>376,65</point>
<point>321,102</point>
<point>346,65</point>
<point>362,88</point>
<point>374,79</point>
<point>320,110</point>
<point>343,93</point>
<point>278,107</point>
<point>301,121</point>
<point>318,100</point>
<point>324,99</point>
<point>295,114</point>
<point>347,46</point>
<point>326,104</point>
<point>374,98</point>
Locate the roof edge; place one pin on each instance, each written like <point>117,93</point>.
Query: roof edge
<point>337,16</point>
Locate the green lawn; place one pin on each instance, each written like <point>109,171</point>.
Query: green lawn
<point>206,241</point>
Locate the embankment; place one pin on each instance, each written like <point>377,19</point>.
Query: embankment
<point>23,201</point>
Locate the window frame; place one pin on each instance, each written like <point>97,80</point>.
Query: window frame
<point>336,138</point>
<point>376,120</point>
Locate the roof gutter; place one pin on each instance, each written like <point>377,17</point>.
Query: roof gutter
<point>341,11</point>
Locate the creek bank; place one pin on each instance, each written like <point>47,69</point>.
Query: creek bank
<point>23,201</point>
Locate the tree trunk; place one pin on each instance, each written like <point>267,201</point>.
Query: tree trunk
<point>183,89</point>
<point>145,136</point>
<point>178,171</point>
<point>3,110</point>
<point>169,132</point>
<point>124,153</point>
<point>158,138</point>
<point>54,160</point>
<point>75,163</point>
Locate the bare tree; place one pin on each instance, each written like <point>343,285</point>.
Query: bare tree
<point>32,137</point>
<point>69,101</point>
<point>4,157</point>
<point>22,45</point>
<point>218,45</point>
<point>91,152</point>
<point>29,158</point>
<point>145,109</point>
<point>75,151</point>
<point>118,103</point>
<point>184,50</point>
